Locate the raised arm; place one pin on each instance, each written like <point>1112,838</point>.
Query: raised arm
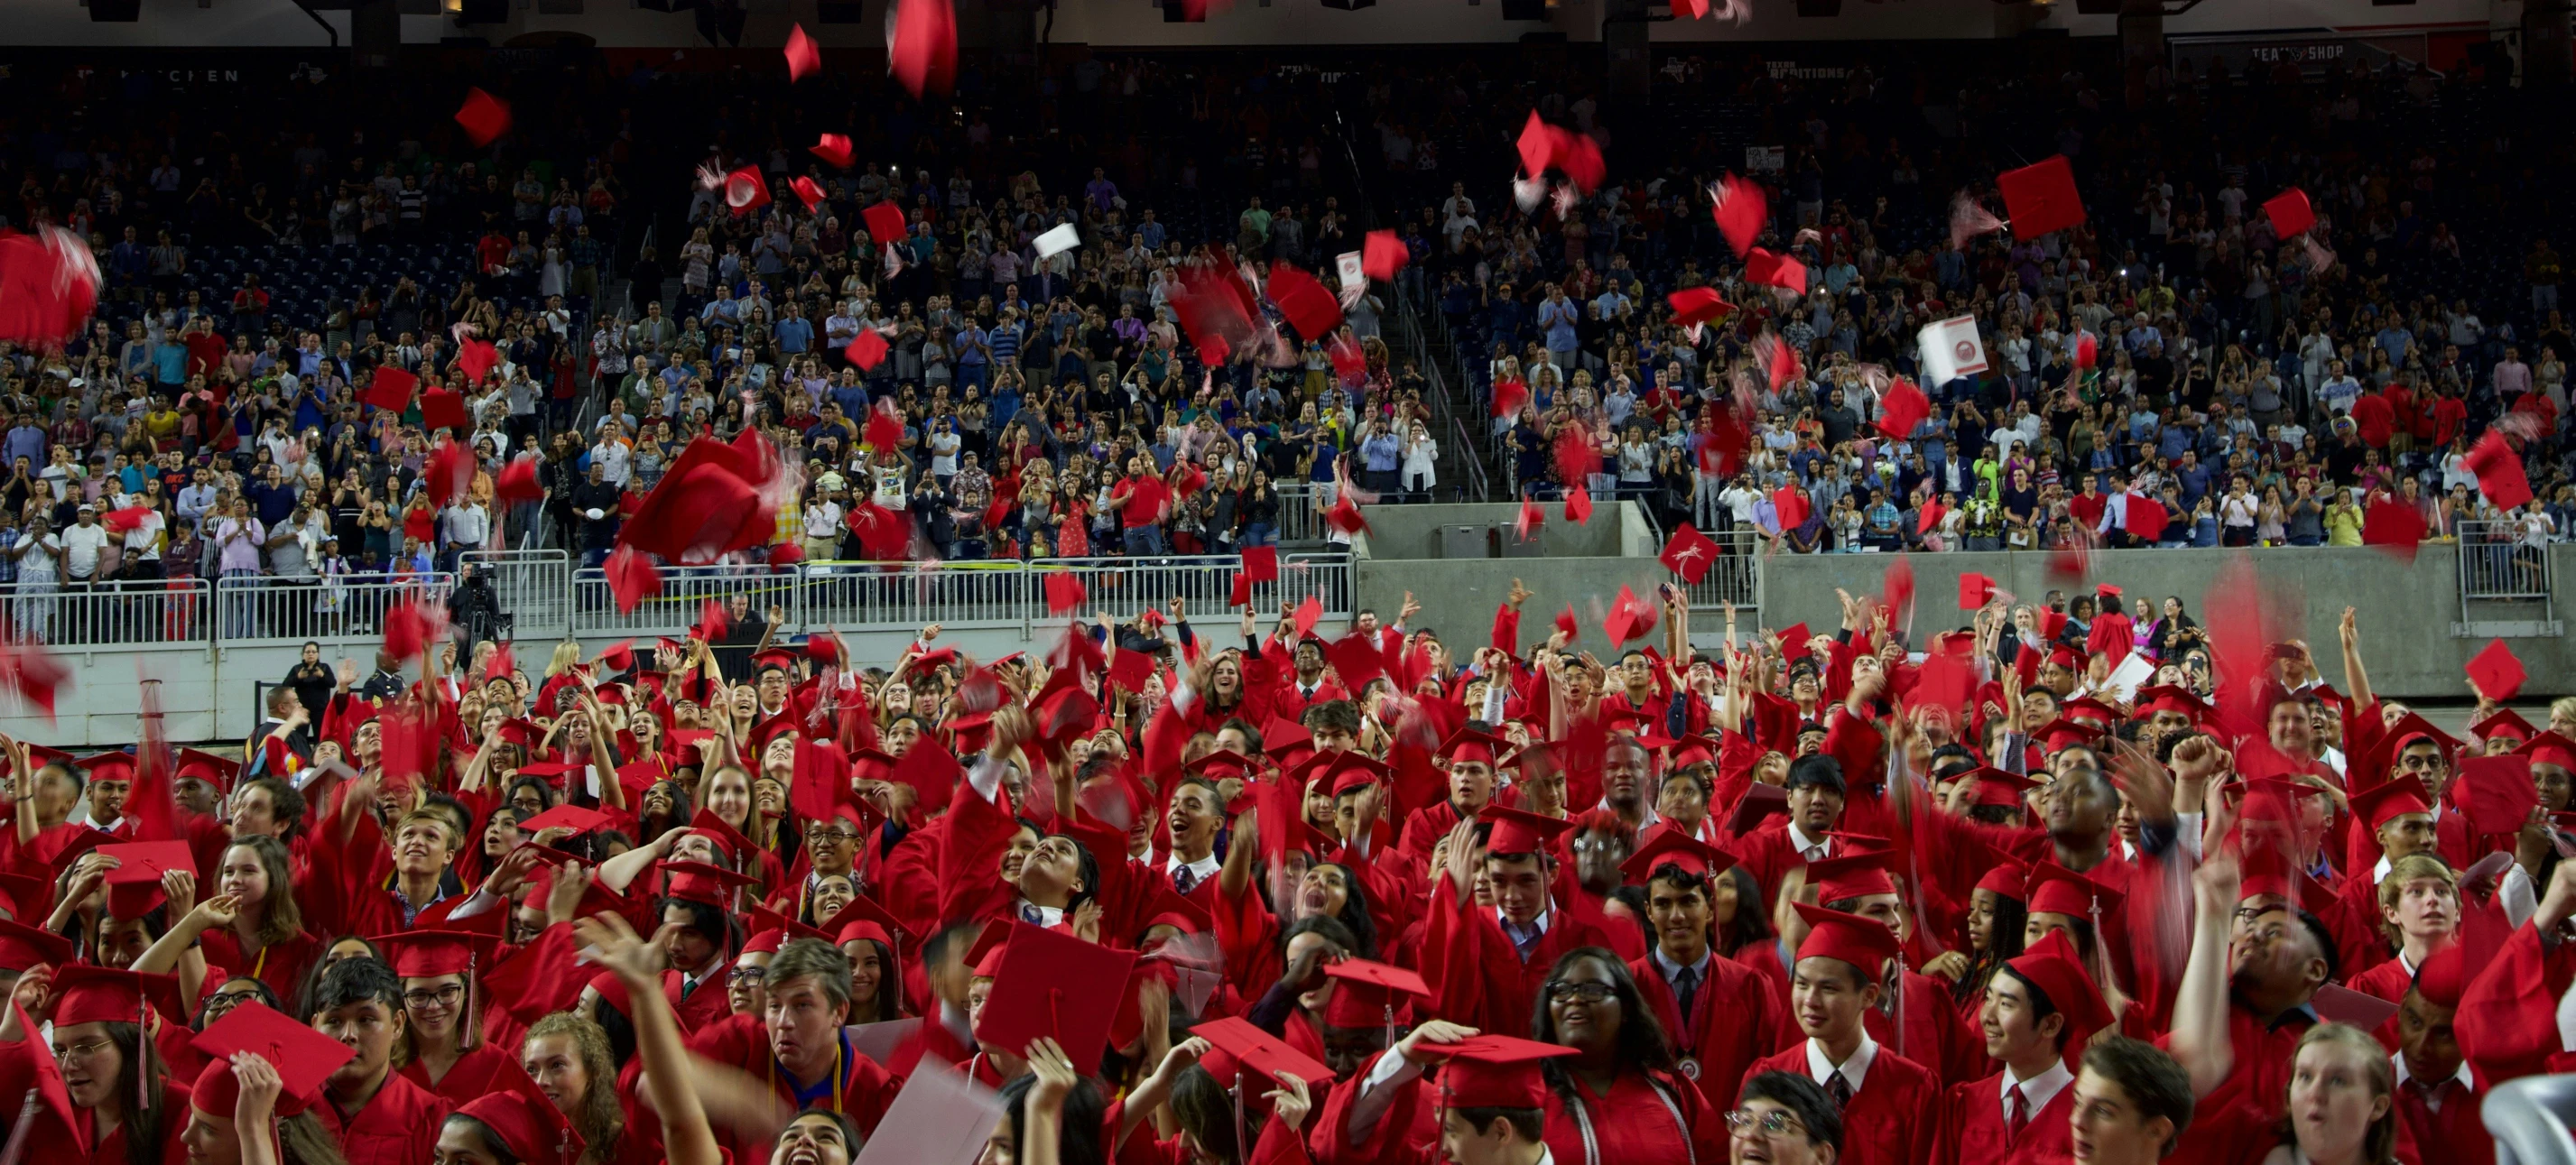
<point>2355,680</point>
<point>2200,1040</point>
<point>668,1081</point>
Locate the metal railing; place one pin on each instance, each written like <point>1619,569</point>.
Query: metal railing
<point>2494,565</point>
<point>175,613</point>
<point>1736,576</point>
<point>533,588</point>
<point>255,609</point>
<point>815,596</point>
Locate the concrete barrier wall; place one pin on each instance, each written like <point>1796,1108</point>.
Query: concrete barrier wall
<point>1585,566</point>
<point>1405,530</point>
<point>2405,611</point>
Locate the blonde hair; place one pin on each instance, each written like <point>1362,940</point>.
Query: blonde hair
<point>567,653</point>
<point>2563,708</point>
<point>2408,869</point>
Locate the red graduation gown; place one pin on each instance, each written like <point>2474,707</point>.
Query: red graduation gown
<point>397,1126</point>
<point>705,1007</point>
<point>282,966</point>
<point>2508,1018</point>
<point>1638,1123</point>
<point>1732,1022</point>
<point>2456,1135</point>
<point>1479,966</point>
<point>1888,1121</point>
<point>2235,1121</point>
<point>1972,1130</point>
<point>863,1093</point>
<point>110,1149</point>
<point>1935,1036</point>
<point>470,1077</point>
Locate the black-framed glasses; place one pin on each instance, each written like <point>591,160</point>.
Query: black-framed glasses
<point>1562,991</point>
<point>427,996</point>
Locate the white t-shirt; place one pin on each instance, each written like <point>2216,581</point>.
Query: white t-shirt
<point>37,566</point>
<point>82,546</point>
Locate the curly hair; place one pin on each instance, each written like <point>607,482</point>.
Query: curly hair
<point>599,1117</point>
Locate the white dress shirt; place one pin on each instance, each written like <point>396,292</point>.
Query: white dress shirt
<point>1853,1069</point>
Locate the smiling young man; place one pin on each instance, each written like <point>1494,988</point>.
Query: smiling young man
<point>379,1116</point>
<point>2036,1006</point>
<point>1498,956</point>
<point>799,1051</point>
<point>1718,1012</point>
<point>1783,1119</point>
<point>1468,757</point>
<point>1885,1099</point>
<point>1816,796</point>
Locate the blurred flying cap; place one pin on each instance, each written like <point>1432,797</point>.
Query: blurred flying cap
<point>2054,889</point>
<point>2041,197</point>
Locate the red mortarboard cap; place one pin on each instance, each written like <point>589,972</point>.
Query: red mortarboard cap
<point>2496,792</point>
<point>632,578</point>
<point>107,766</point>
<point>484,117</point>
<point>573,817</point>
<point>2389,801</point>
<point>718,830</point>
<point>1975,591</point>
<point>1672,847</point>
<point>923,51</point>
<point>2146,518</point>
<point>1347,771</point>
<point>1468,744</point>
<point>2064,733</point>
<point>2499,471</point>
<point>1309,308</point>
<point>884,221</point>
<point>443,409</point>
<point>1697,305</point>
<point>1865,943</point>
<point>219,770</point>
<point>864,912</point>
<point>2053,965</point>
<point>2549,748</point>
<point>1851,875</point>
<point>1494,1072</point>
<point>1759,801</point>
<point>1064,592</point>
<point>1740,209</point>
<point>2041,197</point>
<point>423,954</point>
<point>984,955</point>
<point>134,887</point>
<point>833,148</point>
<point>2086,709</point>
<point>1689,554</point>
<point>2166,698</point>
<point>803,56</point>
<point>391,388</point>
<point>2006,877</point>
<point>304,1058</point>
<point>2336,1003</point>
<point>1052,984</point>
<point>2444,976</point>
<point>2054,889</point>
<point>700,882</point>
<point>1997,787</point>
<point>1793,642</point>
<point>1223,763</point>
<point>808,191</point>
<point>1764,269</point>
<point>1901,408</point>
<point>1382,255</point>
<point>87,994</point>
<point>1260,1051</point>
<point>2394,526</point>
<point>2496,672</point>
<point>1371,994</point>
<point>23,946</point>
<point>2289,212</point>
<point>867,349</point>
<point>1518,831</point>
<point>2505,724</point>
<point>534,1130</point>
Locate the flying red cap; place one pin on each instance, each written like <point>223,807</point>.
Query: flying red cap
<point>1371,994</point>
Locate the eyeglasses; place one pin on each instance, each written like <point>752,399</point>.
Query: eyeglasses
<point>426,996</point>
<point>82,1051</point>
<point>1562,991</point>
<point>1776,1122</point>
<point>749,976</point>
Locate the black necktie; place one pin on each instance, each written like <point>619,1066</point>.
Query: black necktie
<point>1686,989</point>
<point>1839,1090</point>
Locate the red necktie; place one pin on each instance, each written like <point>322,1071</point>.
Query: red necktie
<point>2016,1114</point>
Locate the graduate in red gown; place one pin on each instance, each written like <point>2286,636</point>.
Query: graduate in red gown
<point>442,1013</point>
<point>1922,1024</point>
<point>2439,1097</point>
<point>1887,1101</point>
<point>1488,963</point>
<point>89,1106</point>
<point>2039,1008</point>
<point>379,1116</point>
<point>800,1048</point>
<point>1717,1012</point>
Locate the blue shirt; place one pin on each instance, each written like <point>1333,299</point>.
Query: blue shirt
<point>794,334</point>
<point>272,503</point>
<point>1381,452</point>
<point>1558,316</point>
<point>970,345</point>
<point>169,362</point>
